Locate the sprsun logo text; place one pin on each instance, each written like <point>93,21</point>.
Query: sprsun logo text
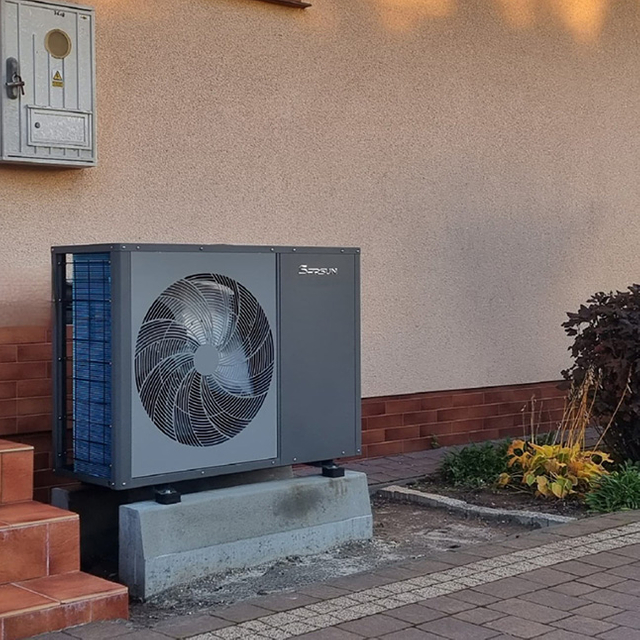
<point>305,270</point>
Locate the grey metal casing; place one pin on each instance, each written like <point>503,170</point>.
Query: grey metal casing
<point>319,356</point>
<point>313,407</point>
<point>54,122</point>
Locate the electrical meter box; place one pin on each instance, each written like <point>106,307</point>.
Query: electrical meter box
<point>48,92</point>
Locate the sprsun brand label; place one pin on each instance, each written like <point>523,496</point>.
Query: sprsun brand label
<point>305,270</point>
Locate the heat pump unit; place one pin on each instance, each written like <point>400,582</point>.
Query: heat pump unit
<point>175,362</point>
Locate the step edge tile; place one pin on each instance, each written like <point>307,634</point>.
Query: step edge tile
<point>42,521</point>
<point>114,590</point>
<point>94,596</point>
<point>7,446</point>
<point>45,605</point>
<point>18,612</point>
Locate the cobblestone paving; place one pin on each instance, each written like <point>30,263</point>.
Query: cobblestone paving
<point>572,582</point>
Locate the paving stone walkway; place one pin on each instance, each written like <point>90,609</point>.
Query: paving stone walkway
<point>575,581</point>
<point>392,469</point>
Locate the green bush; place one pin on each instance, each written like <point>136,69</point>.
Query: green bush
<point>475,466</point>
<point>618,491</point>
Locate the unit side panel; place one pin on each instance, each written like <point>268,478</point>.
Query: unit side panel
<point>319,357</point>
<point>122,375</point>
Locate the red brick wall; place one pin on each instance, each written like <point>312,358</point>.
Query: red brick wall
<point>401,424</point>
<point>25,398</point>
<point>391,425</point>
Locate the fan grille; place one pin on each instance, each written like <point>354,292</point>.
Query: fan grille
<point>192,405</point>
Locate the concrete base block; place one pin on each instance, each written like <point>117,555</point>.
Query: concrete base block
<point>237,527</point>
<point>98,510</point>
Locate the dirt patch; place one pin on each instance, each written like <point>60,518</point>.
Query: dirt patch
<point>401,532</point>
<point>508,498</point>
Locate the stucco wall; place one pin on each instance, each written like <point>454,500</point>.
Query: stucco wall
<point>484,154</point>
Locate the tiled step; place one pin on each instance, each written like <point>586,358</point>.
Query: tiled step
<point>37,540</point>
<point>56,602</point>
<point>16,472</point>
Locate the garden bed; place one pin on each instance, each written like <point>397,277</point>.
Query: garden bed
<point>506,498</point>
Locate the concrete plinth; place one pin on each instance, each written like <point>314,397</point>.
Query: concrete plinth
<point>98,509</point>
<point>237,527</point>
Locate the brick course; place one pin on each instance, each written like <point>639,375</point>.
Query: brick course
<point>391,424</point>
<point>457,417</point>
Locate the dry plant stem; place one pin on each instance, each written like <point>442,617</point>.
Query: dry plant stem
<point>627,388</point>
<point>577,414</point>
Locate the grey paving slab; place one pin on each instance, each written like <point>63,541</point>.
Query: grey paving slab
<point>601,580</point>
<point>631,571</point>
<point>621,633</point>
<point>577,568</point>
<point>549,577</point>
<point>474,597</point>
<point>561,634</point>
<point>410,634</point>
<point>555,600</point>
<point>585,626</point>
<point>242,612</point>
<point>630,587</point>
<point>144,634</point>
<point>374,626</point>
<point>187,626</point>
<point>398,573</point>
<point>606,560</point>
<point>632,551</point>
<point>573,588</point>
<point>626,619</point>
<point>452,558</point>
<point>101,630</point>
<point>479,615</point>
<point>613,598</point>
<point>416,614</point>
<point>524,541</point>
<point>330,633</point>
<point>455,629</point>
<point>597,611</point>
<point>508,588</point>
<point>529,610</point>
<point>284,601</point>
<point>360,581</point>
<point>519,627</point>
<point>430,566</point>
<point>323,591</point>
<point>445,604</point>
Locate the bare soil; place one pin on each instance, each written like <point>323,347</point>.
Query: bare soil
<point>506,498</point>
<point>401,532</point>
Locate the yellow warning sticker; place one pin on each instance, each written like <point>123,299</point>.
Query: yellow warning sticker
<point>57,80</point>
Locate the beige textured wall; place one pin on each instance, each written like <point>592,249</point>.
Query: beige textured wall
<point>485,155</point>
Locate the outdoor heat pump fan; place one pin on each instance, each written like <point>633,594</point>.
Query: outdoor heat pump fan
<point>175,362</point>
<point>204,360</point>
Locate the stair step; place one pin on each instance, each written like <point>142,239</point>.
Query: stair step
<point>38,541</point>
<point>56,602</point>
<point>16,472</point>
<point>23,513</point>
<point>6,446</point>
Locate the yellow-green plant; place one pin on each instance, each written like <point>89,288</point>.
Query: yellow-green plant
<point>566,466</point>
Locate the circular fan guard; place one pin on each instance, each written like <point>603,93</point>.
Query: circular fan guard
<point>194,407</point>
